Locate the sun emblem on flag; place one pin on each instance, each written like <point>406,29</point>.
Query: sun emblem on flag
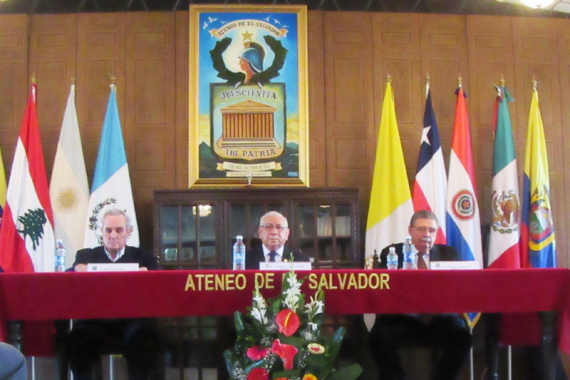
<point>67,199</point>
<point>463,204</point>
<point>506,209</point>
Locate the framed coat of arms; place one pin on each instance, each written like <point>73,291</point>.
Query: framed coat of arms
<point>248,101</point>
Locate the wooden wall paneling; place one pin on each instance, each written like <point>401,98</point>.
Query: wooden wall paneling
<point>444,57</point>
<point>397,52</point>
<point>14,82</point>
<point>563,28</point>
<point>316,78</point>
<point>490,51</point>
<point>100,56</point>
<point>181,102</point>
<point>536,55</point>
<point>52,58</point>
<point>150,126</point>
<point>349,103</point>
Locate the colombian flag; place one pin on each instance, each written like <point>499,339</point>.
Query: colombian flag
<point>537,228</point>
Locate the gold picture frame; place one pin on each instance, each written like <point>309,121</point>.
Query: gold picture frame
<point>248,96</point>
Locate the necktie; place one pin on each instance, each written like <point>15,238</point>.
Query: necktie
<point>272,255</point>
<point>421,261</point>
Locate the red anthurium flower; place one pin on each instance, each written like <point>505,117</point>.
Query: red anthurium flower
<point>257,353</point>
<point>286,352</point>
<point>288,322</point>
<point>258,374</point>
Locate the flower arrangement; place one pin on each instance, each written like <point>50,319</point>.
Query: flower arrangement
<point>281,339</point>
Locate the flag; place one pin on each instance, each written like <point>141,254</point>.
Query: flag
<point>430,185</point>
<point>390,200</point>
<point>111,185</point>
<point>26,235</point>
<point>463,222</point>
<point>537,229</point>
<point>2,188</point>
<point>69,189</point>
<point>505,226</point>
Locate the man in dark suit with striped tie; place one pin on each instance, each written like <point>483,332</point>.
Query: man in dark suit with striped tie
<point>274,233</point>
<point>447,334</point>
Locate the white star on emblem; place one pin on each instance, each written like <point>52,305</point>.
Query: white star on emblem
<point>425,132</point>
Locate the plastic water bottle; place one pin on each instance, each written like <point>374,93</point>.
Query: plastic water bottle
<point>239,254</point>
<point>407,250</point>
<point>392,259</point>
<point>59,256</point>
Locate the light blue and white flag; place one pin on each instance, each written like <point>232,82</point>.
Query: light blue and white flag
<point>69,188</point>
<point>111,186</point>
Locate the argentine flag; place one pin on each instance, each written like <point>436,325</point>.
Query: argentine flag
<point>111,186</point>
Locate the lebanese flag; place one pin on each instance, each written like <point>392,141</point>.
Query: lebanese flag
<point>430,185</point>
<point>26,235</point>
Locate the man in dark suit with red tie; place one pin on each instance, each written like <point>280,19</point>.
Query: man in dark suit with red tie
<point>447,334</point>
<point>274,233</point>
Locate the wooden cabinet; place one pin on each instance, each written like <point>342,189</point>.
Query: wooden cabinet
<point>196,228</point>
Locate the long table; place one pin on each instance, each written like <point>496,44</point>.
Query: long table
<point>53,296</point>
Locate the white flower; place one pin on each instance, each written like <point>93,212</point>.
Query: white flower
<point>259,314</point>
<point>312,326</point>
<point>259,300</point>
<point>314,307</point>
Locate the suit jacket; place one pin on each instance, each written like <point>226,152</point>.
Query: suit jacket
<point>255,255</point>
<point>97,255</point>
<point>438,252</point>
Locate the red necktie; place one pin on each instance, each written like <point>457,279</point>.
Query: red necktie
<point>421,261</point>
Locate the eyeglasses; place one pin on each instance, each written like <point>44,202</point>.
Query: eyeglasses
<point>278,227</point>
<point>422,229</point>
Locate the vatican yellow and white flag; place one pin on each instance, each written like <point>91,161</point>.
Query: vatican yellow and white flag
<point>69,188</point>
<point>390,198</point>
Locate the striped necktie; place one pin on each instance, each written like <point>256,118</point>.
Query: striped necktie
<point>421,261</point>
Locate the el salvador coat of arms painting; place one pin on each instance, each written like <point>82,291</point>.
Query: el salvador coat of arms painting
<point>248,118</point>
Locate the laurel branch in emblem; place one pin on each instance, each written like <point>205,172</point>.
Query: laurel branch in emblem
<point>463,205</point>
<point>94,218</point>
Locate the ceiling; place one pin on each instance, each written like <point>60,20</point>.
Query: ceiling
<point>561,8</point>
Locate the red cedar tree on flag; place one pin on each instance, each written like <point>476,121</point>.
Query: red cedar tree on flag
<point>26,235</point>
<point>430,185</point>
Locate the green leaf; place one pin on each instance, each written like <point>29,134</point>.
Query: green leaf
<point>238,321</point>
<point>347,373</point>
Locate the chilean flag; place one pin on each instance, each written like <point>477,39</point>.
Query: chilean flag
<point>26,235</point>
<point>463,223</point>
<point>430,185</point>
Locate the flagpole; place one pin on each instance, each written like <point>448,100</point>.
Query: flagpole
<point>471,364</point>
